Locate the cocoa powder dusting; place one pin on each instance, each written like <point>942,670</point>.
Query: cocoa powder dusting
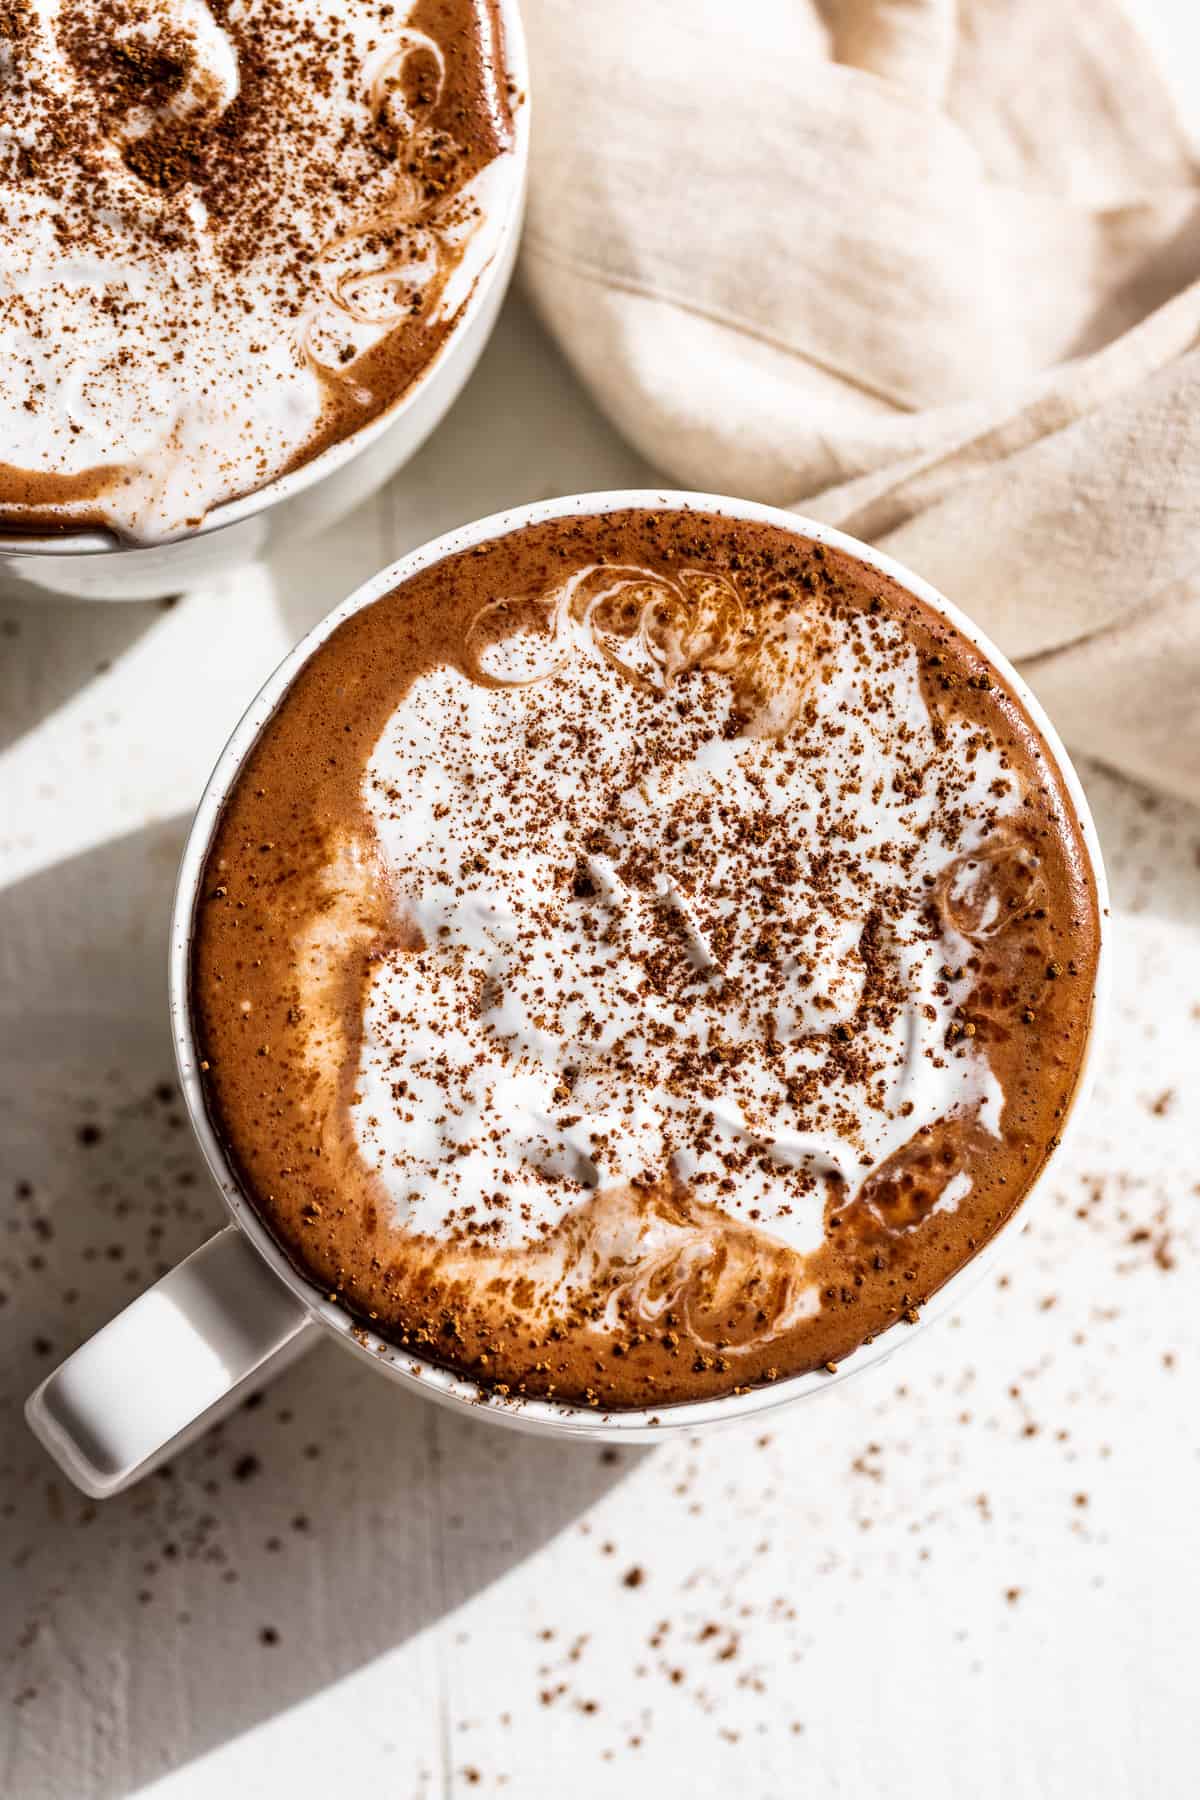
<point>750,617</point>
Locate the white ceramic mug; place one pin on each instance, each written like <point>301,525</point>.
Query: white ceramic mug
<point>93,565</point>
<point>237,1311</point>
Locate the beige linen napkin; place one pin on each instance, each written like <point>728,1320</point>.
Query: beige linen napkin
<point>928,271</point>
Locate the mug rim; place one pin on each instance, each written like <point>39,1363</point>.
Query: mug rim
<point>552,1417</point>
<point>93,541</point>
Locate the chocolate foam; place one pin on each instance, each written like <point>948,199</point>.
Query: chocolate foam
<point>231,235</point>
<point>643,956</point>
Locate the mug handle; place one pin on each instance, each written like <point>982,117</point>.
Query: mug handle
<point>175,1361</point>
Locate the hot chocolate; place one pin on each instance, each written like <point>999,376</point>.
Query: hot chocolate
<point>643,956</point>
<point>231,234</point>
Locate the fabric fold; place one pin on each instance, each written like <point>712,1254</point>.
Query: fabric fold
<point>928,271</point>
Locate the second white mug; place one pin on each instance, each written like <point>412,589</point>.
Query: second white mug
<point>94,565</point>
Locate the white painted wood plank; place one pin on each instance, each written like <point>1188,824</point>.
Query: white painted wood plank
<point>837,1598</point>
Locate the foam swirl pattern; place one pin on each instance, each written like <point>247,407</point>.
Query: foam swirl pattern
<point>591,959</point>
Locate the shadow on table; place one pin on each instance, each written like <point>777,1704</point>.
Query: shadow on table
<point>1151,845</point>
<point>50,648</point>
<point>329,1520</point>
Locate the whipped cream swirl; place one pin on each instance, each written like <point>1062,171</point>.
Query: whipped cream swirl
<point>684,895</point>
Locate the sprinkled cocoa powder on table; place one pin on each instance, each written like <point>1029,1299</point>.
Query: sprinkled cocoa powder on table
<point>779,865</point>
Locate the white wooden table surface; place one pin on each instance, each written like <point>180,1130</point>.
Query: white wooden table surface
<point>974,1572</point>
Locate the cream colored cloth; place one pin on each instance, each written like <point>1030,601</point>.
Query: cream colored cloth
<point>927,271</point>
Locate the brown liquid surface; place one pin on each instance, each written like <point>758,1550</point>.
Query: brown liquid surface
<point>652,1290</point>
<point>231,170</point>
